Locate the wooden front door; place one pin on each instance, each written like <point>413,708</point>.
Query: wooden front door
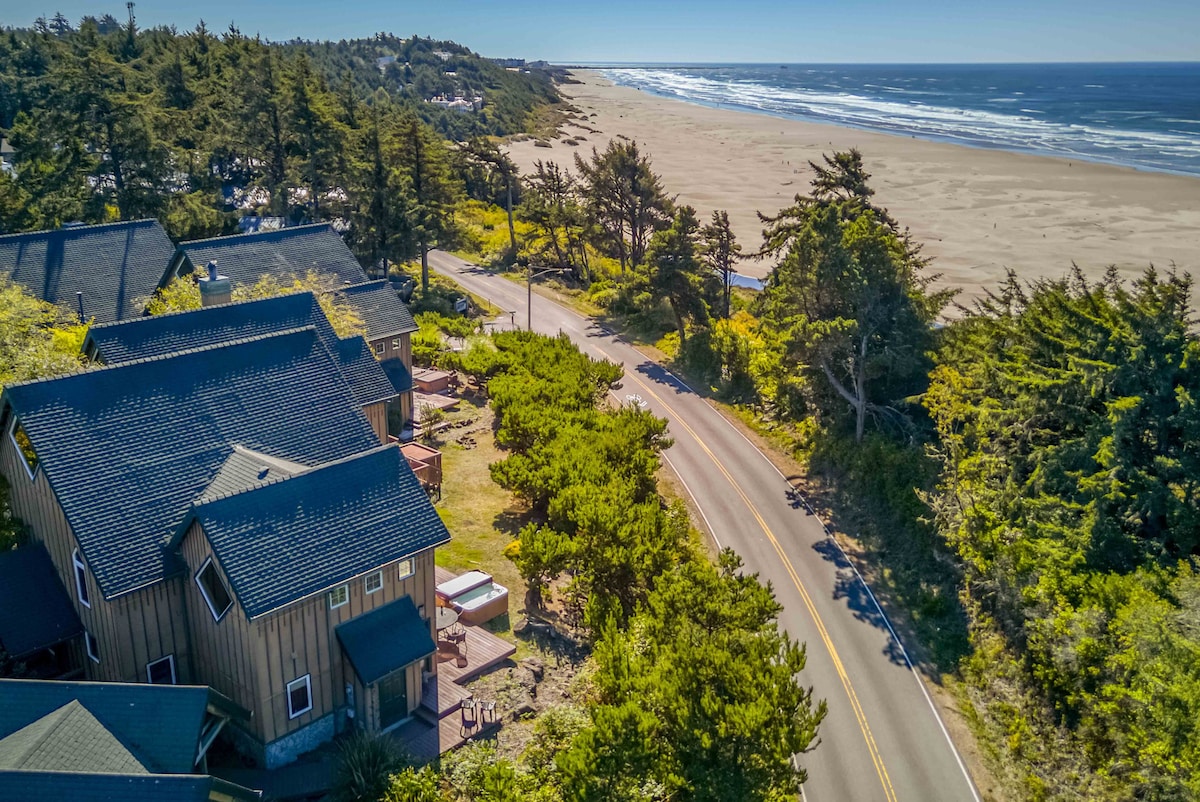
<point>393,698</point>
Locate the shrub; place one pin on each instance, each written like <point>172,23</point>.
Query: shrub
<point>365,763</point>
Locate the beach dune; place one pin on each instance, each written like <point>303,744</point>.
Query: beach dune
<point>978,211</point>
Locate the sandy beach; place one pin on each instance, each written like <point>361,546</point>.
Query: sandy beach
<point>979,212</point>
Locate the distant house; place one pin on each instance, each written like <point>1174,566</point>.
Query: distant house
<point>293,252</point>
<point>118,343</point>
<point>108,741</point>
<point>225,514</point>
<point>283,253</point>
<point>116,267</point>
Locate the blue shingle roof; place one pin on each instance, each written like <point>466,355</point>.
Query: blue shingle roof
<point>380,307</point>
<point>160,724</point>
<point>127,448</point>
<point>385,639</point>
<point>292,537</point>
<point>35,612</point>
<point>288,252</point>
<point>116,266</point>
<point>159,335</point>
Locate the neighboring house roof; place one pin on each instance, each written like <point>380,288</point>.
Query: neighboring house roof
<point>291,537</point>
<point>90,787</point>
<point>157,726</point>
<point>159,335</point>
<point>127,448</point>
<point>385,639</point>
<point>68,739</point>
<point>398,374</point>
<point>35,611</point>
<point>381,310</point>
<point>368,379</point>
<point>286,253</point>
<point>116,266</point>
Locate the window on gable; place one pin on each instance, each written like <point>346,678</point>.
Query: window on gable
<point>81,588</point>
<point>93,646</point>
<point>161,671</point>
<point>24,447</point>
<point>339,596</point>
<point>396,344</point>
<point>379,347</point>
<point>373,582</point>
<point>215,594</point>
<point>299,696</point>
<point>404,568</point>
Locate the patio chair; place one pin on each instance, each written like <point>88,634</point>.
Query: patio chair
<point>487,710</point>
<point>469,719</point>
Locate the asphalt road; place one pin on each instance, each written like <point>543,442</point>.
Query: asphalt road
<point>883,738</point>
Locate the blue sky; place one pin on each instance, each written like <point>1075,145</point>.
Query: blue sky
<point>853,31</point>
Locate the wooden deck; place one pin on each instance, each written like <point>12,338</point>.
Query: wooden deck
<point>439,725</point>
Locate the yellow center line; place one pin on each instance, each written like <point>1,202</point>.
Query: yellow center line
<point>859,713</point>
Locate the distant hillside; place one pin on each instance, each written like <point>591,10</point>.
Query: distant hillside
<point>104,121</point>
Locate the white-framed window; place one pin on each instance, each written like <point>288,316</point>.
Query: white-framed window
<point>215,594</point>
<point>404,568</point>
<point>29,457</point>
<point>92,645</point>
<point>299,696</point>
<point>373,583</point>
<point>161,671</point>
<point>81,588</point>
<point>339,596</point>
<point>378,348</point>
<point>396,344</point>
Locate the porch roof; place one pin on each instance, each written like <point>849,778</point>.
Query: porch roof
<point>385,640</point>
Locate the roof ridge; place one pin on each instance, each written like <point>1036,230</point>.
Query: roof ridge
<point>279,479</point>
<point>366,283</point>
<point>253,234</point>
<point>176,312</point>
<point>173,354</point>
<point>70,229</point>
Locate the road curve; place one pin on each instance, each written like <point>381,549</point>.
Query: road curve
<point>883,739</point>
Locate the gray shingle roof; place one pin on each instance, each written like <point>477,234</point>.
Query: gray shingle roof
<point>159,724</point>
<point>398,374</point>
<point>288,539</point>
<point>288,252</point>
<point>68,739</point>
<point>385,639</point>
<point>116,266</point>
<point>246,468</point>
<point>381,310</point>
<point>44,785</point>
<point>159,335</point>
<point>127,448</point>
<point>35,611</point>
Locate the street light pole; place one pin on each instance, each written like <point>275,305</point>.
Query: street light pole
<point>530,276</point>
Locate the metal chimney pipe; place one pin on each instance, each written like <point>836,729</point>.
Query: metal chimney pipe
<point>79,303</point>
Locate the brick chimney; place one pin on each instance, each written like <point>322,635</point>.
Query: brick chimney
<point>215,289</point>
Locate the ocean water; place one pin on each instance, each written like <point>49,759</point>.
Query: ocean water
<point>1138,115</point>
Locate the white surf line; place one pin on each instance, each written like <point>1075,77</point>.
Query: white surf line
<point>887,622</point>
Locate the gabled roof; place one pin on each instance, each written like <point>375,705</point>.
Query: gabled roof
<point>286,253</point>
<point>158,725</point>
<point>117,266</point>
<point>35,612</point>
<point>127,448</point>
<point>245,469</point>
<point>381,310</point>
<point>385,639</point>
<point>46,785</point>
<point>68,739</point>
<point>159,335</point>
<point>286,539</point>
<point>398,374</point>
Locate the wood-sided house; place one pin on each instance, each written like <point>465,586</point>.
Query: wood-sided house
<point>117,343</point>
<point>289,253</point>
<point>110,270</point>
<point>226,515</point>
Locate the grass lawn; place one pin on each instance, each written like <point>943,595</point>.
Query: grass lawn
<point>482,517</point>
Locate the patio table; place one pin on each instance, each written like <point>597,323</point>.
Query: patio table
<point>446,618</point>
